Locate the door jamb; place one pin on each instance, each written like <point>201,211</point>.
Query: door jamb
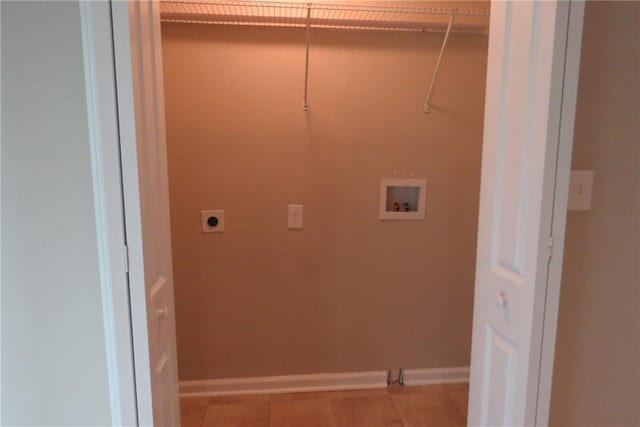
<point>127,40</point>
<point>559,215</point>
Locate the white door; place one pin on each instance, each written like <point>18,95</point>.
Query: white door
<point>137,47</point>
<point>526,68</point>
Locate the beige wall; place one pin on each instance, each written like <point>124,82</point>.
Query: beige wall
<point>348,292</point>
<point>596,374</point>
<point>54,367</point>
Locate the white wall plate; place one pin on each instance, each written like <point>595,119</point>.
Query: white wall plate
<point>580,186</point>
<point>208,224</point>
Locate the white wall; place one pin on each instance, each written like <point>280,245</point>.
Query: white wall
<point>53,357</point>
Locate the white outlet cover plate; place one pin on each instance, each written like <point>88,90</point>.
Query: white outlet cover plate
<point>580,189</point>
<point>204,216</point>
<point>295,216</point>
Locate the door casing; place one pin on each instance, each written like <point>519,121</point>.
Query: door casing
<point>102,115</point>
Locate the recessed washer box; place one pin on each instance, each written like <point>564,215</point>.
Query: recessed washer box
<point>212,221</point>
<point>403,199</point>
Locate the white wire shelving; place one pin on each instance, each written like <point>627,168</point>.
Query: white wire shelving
<point>371,16</point>
<point>374,17</point>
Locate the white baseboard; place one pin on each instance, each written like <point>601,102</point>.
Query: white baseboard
<point>436,376</point>
<point>285,384</point>
<point>319,382</point>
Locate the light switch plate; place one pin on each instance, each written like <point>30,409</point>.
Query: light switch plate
<point>204,219</point>
<point>294,216</point>
<point>580,188</point>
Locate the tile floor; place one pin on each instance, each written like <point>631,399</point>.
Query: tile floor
<point>424,406</point>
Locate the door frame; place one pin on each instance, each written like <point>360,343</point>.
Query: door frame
<point>566,123</point>
<point>106,169</point>
<point>111,117</point>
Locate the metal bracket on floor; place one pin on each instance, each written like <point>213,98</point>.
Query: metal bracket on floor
<point>390,377</point>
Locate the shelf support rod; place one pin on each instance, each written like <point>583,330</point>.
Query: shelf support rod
<point>305,105</point>
<point>427,101</point>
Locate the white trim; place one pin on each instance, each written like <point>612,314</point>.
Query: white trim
<point>127,42</point>
<point>285,384</point>
<point>1,235</point>
<point>107,191</point>
<point>435,376</point>
<point>561,197</point>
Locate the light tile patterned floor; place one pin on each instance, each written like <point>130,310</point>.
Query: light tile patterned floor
<point>424,406</point>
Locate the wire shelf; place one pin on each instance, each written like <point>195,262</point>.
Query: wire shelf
<point>325,15</point>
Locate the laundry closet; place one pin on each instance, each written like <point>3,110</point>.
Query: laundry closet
<point>324,176</point>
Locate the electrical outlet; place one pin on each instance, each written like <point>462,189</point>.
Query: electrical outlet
<point>212,221</point>
<point>294,217</point>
